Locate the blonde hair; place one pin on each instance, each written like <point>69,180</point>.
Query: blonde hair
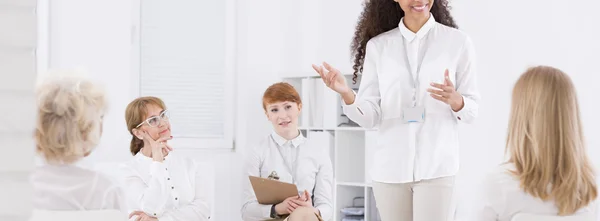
<point>545,140</point>
<point>135,113</point>
<point>69,121</point>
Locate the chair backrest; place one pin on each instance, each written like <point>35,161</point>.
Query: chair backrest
<point>208,170</point>
<point>589,216</point>
<point>87,215</point>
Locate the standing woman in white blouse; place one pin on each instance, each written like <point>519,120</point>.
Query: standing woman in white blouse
<point>288,156</point>
<point>418,83</point>
<point>160,185</point>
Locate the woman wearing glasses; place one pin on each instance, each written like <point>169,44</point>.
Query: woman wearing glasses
<point>160,185</point>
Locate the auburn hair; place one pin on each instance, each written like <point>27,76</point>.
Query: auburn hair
<point>280,92</point>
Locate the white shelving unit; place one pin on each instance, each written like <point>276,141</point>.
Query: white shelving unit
<point>351,147</point>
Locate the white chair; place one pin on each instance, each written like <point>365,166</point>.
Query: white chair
<point>208,170</point>
<point>534,217</point>
<point>87,215</point>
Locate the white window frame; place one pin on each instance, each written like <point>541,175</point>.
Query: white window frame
<point>230,82</point>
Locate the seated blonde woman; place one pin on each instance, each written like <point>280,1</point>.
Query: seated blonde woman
<point>69,125</point>
<point>548,172</point>
<point>161,185</point>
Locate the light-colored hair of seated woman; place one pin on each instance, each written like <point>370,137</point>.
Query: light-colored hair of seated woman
<point>70,110</point>
<point>545,140</point>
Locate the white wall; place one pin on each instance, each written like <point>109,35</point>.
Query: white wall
<point>508,37</point>
<point>95,36</point>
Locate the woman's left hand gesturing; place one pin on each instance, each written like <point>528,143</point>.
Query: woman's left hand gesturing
<point>447,93</point>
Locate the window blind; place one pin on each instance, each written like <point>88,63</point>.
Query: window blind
<point>183,60</point>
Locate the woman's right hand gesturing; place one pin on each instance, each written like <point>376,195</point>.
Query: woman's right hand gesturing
<point>159,147</point>
<point>336,81</point>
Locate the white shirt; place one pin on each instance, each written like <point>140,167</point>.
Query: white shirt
<point>503,198</point>
<point>415,151</point>
<point>68,187</point>
<point>313,172</point>
<point>171,190</point>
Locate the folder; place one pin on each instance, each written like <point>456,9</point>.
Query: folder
<point>269,192</point>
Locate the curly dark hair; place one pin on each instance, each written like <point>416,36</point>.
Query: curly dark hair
<point>379,16</point>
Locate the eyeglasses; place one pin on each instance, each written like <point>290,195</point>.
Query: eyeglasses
<point>155,121</point>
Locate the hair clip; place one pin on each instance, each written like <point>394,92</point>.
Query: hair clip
<point>273,176</point>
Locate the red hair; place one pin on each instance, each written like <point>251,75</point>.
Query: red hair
<point>280,92</point>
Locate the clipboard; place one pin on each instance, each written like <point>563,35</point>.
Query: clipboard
<point>269,192</point>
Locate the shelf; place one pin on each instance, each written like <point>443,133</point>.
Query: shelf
<point>355,184</point>
<point>337,128</point>
<point>354,129</point>
<point>312,74</point>
<point>345,196</point>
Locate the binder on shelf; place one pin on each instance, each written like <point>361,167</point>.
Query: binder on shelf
<point>356,212</point>
<point>318,102</point>
<point>305,96</point>
<point>330,111</point>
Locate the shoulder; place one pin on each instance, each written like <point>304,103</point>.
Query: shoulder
<point>131,166</point>
<point>500,183</point>
<point>495,187</point>
<point>386,36</point>
<point>107,191</point>
<point>501,177</point>
<point>451,32</point>
<point>380,40</point>
<point>68,172</point>
<point>452,36</point>
<point>106,183</point>
<point>260,148</point>
<point>100,182</point>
